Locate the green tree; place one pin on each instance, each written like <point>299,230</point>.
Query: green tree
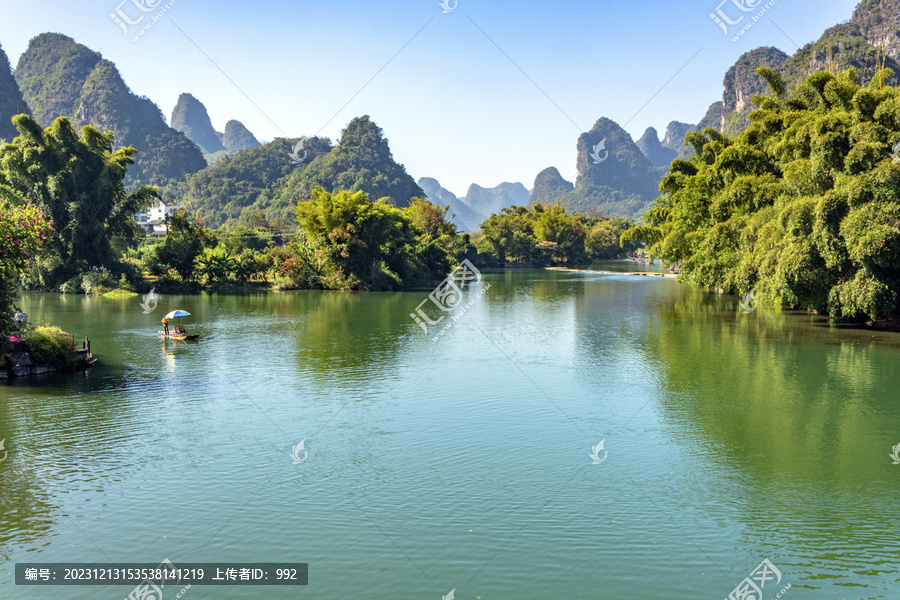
<point>803,205</point>
<point>24,231</point>
<point>366,244</point>
<point>77,182</point>
<point>549,234</point>
<point>186,239</point>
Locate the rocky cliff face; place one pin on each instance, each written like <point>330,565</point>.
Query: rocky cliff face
<point>742,83</point>
<point>549,187</point>
<point>870,39</point>
<point>879,23</point>
<point>11,101</point>
<point>190,117</point>
<point>59,77</point>
<point>840,47</point>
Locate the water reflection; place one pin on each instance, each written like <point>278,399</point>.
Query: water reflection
<point>794,419</point>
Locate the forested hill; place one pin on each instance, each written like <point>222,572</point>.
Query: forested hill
<point>614,176</point>
<point>251,180</point>
<point>274,177</point>
<point>237,137</point>
<point>11,101</point>
<point>362,161</point>
<point>59,77</point>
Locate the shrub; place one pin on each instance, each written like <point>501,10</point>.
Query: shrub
<point>72,286</point>
<point>95,280</point>
<point>50,346</point>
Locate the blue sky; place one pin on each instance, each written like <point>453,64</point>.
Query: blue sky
<point>489,92</point>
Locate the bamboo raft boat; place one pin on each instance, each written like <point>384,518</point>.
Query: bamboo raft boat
<point>178,336</point>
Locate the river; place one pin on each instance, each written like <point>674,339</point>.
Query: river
<point>464,462</point>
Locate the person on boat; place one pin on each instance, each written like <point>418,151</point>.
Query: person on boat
<point>165,323</point>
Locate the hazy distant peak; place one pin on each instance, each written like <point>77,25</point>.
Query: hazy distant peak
<point>190,117</point>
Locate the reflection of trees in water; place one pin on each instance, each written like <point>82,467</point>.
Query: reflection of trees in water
<point>793,416</point>
<point>776,392</point>
<point>352,336</point>
<point>513,285</point>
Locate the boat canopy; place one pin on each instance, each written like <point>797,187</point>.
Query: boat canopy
<point>177,313</point>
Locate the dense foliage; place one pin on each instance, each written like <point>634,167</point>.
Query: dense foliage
<point>77,182</point>
<point>250,181</point>
<point>352,243</point>
<point>549,235</point>
<point>842,47</point>
<point>50,345</point>
<point>803,206</point>
<point>23,232</point>
<point>185,240</point>
<point>273,178</point>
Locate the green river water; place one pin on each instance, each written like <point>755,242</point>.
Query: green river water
<point>463,463</point>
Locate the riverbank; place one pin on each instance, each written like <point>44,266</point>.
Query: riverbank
<point>44,350</point>
<point>642,273</point>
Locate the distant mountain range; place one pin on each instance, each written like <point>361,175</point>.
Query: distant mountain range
<point>613,173</point>
<point>470,211</point>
